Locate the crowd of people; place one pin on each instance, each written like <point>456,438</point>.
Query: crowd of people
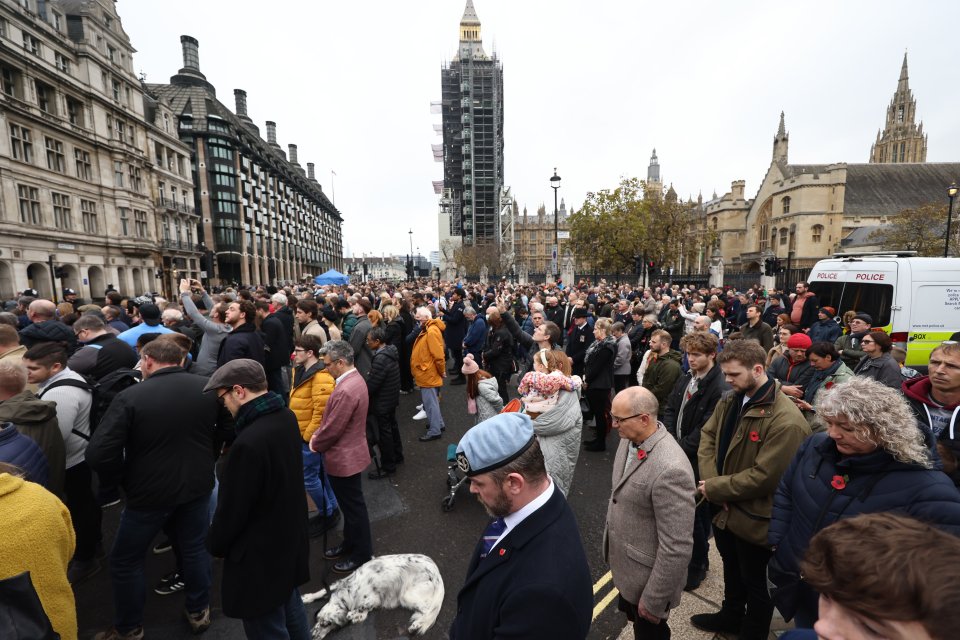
<point>758,419</point>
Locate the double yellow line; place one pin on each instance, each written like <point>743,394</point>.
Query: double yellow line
<point>607,599</point>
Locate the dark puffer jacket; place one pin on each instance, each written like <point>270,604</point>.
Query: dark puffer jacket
<point>23,453</point>
<point>48,331</point>
<point>807,500</point>
<point>598,364</point>
<point>698,410</point>
<point>383,382</point>
<point>243,342</point>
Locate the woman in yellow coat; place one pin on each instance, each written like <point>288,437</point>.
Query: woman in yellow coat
<point>428,364</point>
<point>37,536</point>
<point>310,387</point>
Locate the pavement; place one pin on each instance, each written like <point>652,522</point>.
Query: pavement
<point>406,517</point>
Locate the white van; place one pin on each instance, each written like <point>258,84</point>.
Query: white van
<point>915,300</point>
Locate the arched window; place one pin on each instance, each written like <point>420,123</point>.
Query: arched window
<point>817,232</point>
<point>715,223</point>
<point>786,204</point>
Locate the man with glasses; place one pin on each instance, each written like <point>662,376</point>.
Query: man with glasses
<point>260,526</point>
<point>342,438</point>
<point>102,352</point>
<point>156,440</point>
<point>649,516</point>
<point>849,345</point>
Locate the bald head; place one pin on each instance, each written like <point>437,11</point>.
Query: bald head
<point>640,400</point>
<point>701,323</point>
<point>41,310</point>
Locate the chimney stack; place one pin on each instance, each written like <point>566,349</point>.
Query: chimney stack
<point>240,96</point>
<point>191,52</point>
<point>293,153</point>
<point>311,171</point>
<point>272,133</point>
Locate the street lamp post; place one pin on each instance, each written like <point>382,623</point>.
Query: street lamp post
<point>410,261</point>
<point>555,185</point>
<point>951,194</point>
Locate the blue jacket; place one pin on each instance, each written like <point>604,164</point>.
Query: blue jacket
<point>825,331</point>
<point>456,325</point>
<point>23,453</point>
<point>805,501</point>
<point>476,338</point>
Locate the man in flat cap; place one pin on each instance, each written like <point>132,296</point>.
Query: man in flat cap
<point>260,526</point>
<point>528,577</point>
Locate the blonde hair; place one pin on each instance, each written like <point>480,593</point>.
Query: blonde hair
<point>604,325</point>
<point>389,312</point>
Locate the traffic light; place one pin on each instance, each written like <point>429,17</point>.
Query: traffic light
<point>652,268</point>
<point>768,266</point>
<point>60,272</point>
<point>777,266</point>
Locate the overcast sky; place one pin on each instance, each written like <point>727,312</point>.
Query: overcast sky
<point>590,88</point>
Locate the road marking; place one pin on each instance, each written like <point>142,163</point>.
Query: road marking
<point>607,599</point>
<point>602,581</point>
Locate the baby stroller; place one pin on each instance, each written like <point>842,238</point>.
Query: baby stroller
<point>454,479</point>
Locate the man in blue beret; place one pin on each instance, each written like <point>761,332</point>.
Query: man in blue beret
<point>528,577</point>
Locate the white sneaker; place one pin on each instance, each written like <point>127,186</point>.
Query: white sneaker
<point>421,415</point>
<point>419,407</point>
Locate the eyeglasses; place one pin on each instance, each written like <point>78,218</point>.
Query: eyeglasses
<point>617,420</point>
<point>220,396</point>
<point>868,341</point>
<point>298,350</point>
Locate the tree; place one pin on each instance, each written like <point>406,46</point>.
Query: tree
<point>474,257</point>
<point>614,227</point>
<point>921,229</point>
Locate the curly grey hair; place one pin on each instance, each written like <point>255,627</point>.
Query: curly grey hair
<point>878,414</point>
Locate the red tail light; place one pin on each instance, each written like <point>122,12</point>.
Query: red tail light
<point>899,339</point>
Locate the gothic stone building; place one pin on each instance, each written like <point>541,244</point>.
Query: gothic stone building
<point>806,212</point>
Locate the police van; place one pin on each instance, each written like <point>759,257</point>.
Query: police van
<point>915,300</point>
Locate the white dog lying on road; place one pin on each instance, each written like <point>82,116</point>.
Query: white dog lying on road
<point>411,581</point>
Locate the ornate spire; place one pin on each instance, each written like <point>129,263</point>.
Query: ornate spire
<point>903,85</point>
<point>653,171</point>
<point>902,138</point>
<point>781,142</point>
<point>471,44</point>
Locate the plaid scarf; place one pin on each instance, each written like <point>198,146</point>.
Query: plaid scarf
<point>261,406</point>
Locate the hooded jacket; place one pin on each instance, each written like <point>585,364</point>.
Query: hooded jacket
<point>559,433</point>
<point>428,358</point>
<point>917,391</point>
<point>699,408</point>
<point>309,391</point>
<point>661,374</point>
<point>37,419</point>
<point>383,381</point>
<point>765,439</point>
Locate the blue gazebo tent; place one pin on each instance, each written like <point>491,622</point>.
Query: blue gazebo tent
<point>332,277</point>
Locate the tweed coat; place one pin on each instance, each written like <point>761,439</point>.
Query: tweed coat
<point>647,540</point>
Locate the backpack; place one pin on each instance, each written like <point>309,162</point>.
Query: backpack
<point>103,392</point>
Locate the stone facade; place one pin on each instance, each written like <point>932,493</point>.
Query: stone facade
<point>263,218</point>
<point>807,212</point>
<point>533,239</point>
<point>76,154</point>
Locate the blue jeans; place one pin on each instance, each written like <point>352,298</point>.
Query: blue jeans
<point>288,621</point>
<point>316,482</point>
<point>189,523</point>
<point>431,406</point>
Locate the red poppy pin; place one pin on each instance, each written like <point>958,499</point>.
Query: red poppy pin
<point>829,384</point>
<point>641,454</point>
<point>754,436</point>
<point>839,482</point>
<point>503,552</point>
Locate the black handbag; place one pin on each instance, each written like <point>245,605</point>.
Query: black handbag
<point>784,588</point>
<point>21,614</point>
